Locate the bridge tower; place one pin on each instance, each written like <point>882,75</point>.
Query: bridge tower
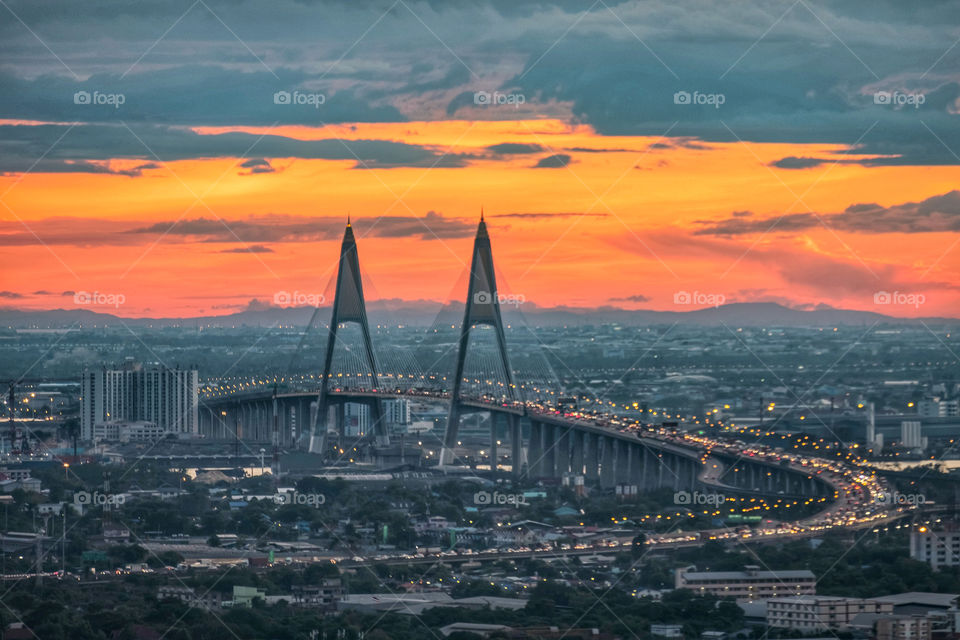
<point>482,308</point>
<point>348,306</point>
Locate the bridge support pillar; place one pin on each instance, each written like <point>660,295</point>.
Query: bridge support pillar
<point>563,452</point>
<point>635,453</point>
<point>494,452</point>
<point>576,455</point>
<point>591,445</point>
<point>535,450</point>
<point>516,445</point>
<point>622,472</point>
<point>548,443</point>
<point>607,462</point>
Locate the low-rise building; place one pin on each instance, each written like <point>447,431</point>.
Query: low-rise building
<point>188,596</point>
<point>666,630</point>
<point>750,584</point>
<point>903,628</point>
<point>818,613</point>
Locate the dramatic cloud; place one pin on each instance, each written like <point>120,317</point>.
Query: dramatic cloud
<point>514,148</point>
<point>935,214</point>
<point>535,216</point>
<point>793,162</point>
<point>254,248</point>
<point>556,161</point>
<point>90,148</point>
<point>256,230</point>
<point>257,165</point>
<point>634,298</point>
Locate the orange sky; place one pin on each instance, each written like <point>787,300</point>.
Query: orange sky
<point>647,202</point>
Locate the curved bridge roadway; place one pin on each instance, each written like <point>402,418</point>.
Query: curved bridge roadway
<point>853,489</point>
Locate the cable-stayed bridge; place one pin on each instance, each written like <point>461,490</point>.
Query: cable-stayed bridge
<point>470,368</point>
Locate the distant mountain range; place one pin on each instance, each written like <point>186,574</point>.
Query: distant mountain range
<point>426,313</point>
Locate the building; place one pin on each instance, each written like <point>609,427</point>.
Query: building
<point>120,431</point>
<point>938,408</point>
<point>750,584</point>
<point>666,630</point>
<point>156,394</point>
<point>244,596</point>
<point>819,613</point>
<point>209,600</point>
<point>396,413</point>
<point>324,596</point>
<point>356,419</point>
<point>938,548</point>
<point>910,434</point>
<point>903,628</point>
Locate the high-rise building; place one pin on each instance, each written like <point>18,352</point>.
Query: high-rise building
<point>938,548</point>
<point>356,419</point>
<point>938,408</point>
<point>160,395</point>
<point>910,434</point>
<point>396,412</point>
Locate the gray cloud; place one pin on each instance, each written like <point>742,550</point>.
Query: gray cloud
<point>793,162</point>
<point>556,161</point>
<point>255,230</point>
<point>538,215</point>
<point>634,298</point>
<point>935,214</point>
<point>514,148</point>
<point>254,248</point>
<point>86,148</point>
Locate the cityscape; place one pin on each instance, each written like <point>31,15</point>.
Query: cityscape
<point>534,321</point>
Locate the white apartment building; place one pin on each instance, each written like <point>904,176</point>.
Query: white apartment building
<point>155,394</point>
<point>938,548</point>
<point>750,584</point>
<point>819,613</point>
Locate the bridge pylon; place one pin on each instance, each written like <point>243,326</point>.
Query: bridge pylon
<point>482,308</point>
<point>348,306</point>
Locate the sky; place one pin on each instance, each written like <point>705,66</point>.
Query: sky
<point>196,158</point>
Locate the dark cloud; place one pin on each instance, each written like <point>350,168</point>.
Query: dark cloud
<point>90,148</point>
<point>514,148</point>
<point>253,230</point>
<point>257,165</point>
<point>935,214</point>
<point>592,150</point>
<point>12,295</point>
<point>793,162</point>
<point>254,248</point>
<point>634,298</point>
<point>534,216</point>
<point>556,161</point>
